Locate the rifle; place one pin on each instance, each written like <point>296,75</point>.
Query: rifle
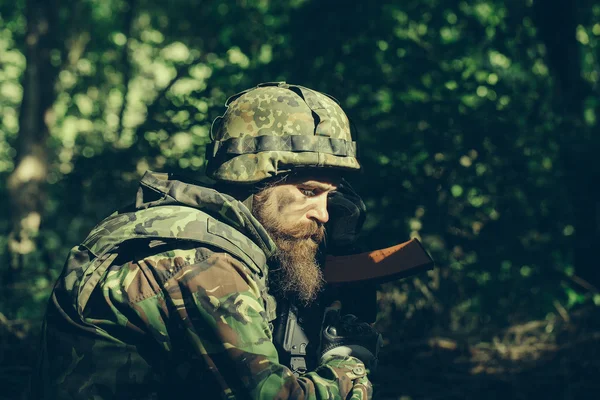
<point>296,338</point>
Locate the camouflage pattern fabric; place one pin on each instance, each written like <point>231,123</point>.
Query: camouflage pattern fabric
<point>275,127</point>
<point>297,143</point>
<point>170,300</point>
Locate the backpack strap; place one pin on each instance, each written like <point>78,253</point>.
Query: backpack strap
<point>169,223</point>
<point>92,276</point>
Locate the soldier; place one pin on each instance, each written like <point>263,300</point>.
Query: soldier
<point>176,295</point>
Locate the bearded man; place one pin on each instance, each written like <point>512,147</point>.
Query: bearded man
<point>177,295</point>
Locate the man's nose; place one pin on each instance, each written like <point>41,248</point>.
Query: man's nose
<point>319,210</point>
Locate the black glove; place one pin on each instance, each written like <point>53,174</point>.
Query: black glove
<point>347,214</point>
<point>348,336</point>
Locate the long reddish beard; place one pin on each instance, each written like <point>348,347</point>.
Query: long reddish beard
<point>297,275</point>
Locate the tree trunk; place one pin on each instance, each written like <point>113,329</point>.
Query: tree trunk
<point>26,184</point>
<point>557,22</point>
<point>125,59</point>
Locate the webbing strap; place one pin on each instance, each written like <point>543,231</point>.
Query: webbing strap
<point>95,272</point>
<point>295,143</point>
<point>206,231</point>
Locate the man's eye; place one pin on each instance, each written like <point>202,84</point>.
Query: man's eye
<point>307,192</point>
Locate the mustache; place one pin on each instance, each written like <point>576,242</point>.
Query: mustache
<point>310,230</point>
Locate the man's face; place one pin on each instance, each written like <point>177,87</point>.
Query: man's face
<point>294,213</point>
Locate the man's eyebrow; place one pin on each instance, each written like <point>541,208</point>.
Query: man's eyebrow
<point>318,185</point>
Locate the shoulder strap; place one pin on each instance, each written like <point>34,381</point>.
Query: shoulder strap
<point>170,223</point>
<point>174,222</point>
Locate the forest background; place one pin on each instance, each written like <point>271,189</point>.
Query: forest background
<point>478,133</point>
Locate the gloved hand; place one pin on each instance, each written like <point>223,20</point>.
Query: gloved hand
<point>348,336</point>
<point>347,214</point>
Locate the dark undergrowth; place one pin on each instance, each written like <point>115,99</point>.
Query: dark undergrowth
<point>550,359</point>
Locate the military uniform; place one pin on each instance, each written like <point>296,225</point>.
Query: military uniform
<point>169,298</point>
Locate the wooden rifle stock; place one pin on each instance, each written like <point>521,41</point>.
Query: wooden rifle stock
<point>383,265</point>
<point>296,340</point>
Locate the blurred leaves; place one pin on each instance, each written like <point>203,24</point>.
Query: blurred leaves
<point>461,130</point>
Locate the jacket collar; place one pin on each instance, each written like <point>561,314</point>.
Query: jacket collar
<point>158,189</point>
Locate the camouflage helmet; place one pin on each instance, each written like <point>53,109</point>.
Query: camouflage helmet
<point>275,128</point>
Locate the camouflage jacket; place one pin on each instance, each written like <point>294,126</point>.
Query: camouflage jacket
<point>170,299</point>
